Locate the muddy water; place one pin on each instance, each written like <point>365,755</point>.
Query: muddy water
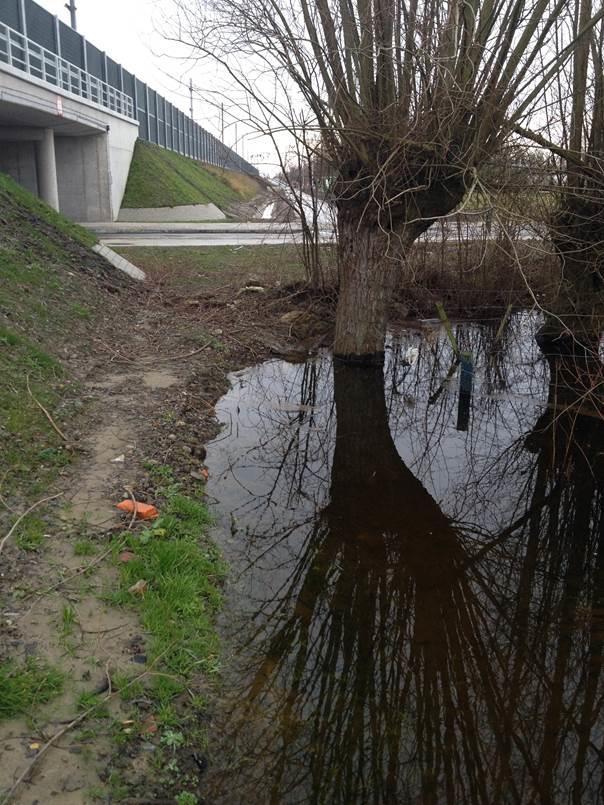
<point>416,610</point>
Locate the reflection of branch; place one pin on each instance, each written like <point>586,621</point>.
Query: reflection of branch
<point>386,630</point>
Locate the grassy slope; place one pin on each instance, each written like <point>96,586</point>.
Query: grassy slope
<point>48,296</point>
<point>196,269</point>
<point>161,178</point>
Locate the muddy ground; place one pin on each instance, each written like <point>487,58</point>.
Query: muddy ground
<point>145,384</point>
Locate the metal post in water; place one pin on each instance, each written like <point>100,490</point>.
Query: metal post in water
<point>466,378</point>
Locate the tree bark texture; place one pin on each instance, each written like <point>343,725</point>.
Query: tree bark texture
<point>367,273</point>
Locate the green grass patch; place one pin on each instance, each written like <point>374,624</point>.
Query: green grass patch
<point>23,687</point>
<point>194,269</point>
<point>30,533</point>
<point>48,301</point>
<point>161,178</point>
<point>12,191</point>
<point>84,547</point>
<point>183,572</point>
<point>32,452</point>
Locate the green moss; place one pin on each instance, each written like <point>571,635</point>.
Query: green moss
<point>24,687</point>
<point>161,178</point>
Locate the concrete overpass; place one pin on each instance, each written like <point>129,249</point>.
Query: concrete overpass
<point>70,116</point>
<point>73,153</point>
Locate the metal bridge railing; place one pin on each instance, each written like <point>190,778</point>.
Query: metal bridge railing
<point>23,54</point>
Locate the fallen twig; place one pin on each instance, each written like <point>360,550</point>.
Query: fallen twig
<point>23,516</point>
<point>187,354</point>
<point>44,411</point>
<point>133,518</point>
<point>79,572</point>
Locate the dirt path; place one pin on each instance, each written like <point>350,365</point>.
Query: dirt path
<point>148,384</point>
<point>56,611</point>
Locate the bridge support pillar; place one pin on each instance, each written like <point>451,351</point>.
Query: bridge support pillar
<point>47,169</point>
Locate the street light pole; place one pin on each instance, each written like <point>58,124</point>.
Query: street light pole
<point>71,7</point>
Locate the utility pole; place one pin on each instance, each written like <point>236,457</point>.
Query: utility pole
<point>191,94</point>
<point>71,7</point>
<point>222,123</point>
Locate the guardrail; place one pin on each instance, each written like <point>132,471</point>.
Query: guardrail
<point>23,54</point>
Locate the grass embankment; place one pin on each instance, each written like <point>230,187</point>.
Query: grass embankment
<point>47,301</point>
<point>162,178</point>
<point>48,293</point>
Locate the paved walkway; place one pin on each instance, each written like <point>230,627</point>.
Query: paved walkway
<point>103,228</point>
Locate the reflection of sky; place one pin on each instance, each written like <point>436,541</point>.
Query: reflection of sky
<point>490,640</point>
<point>270,466</point>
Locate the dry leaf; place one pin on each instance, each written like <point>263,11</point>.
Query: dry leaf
<point>149,726</point>
<point>126,556</point>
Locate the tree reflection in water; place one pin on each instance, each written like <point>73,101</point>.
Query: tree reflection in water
<point>402,654</point>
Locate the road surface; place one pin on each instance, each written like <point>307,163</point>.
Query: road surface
<point>201,239</point>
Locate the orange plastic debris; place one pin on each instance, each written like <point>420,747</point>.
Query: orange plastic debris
<point>144,511</point>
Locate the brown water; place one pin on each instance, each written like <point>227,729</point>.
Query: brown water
<point>416,605</point>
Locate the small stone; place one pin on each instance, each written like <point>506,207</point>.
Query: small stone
<point>138,588</point>
<point>126,556</point>
<point>250,289</point>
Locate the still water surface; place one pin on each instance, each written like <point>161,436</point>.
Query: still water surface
<point>416,608</point>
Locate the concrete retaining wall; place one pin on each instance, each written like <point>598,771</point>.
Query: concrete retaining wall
<point>83,177</point>
<point>165,215</point>
<point>92,172</point>
<point>18,160</point>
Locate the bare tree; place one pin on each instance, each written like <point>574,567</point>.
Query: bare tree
<point>409,98</point>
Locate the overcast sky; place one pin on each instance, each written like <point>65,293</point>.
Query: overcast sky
<point>130,32</point>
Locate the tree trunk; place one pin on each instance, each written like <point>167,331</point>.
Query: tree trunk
<point>367,266</point>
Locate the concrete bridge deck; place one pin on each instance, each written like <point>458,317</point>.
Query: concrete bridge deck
<point>73,152</point>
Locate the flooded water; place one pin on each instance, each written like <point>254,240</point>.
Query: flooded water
<point>416,605</point>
